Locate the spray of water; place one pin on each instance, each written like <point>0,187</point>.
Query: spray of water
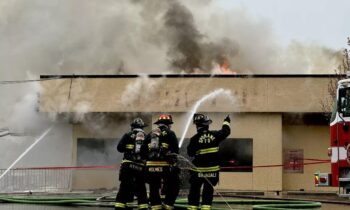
<point>180,157</point>
<point>209,96</point>
<point>25,152</point>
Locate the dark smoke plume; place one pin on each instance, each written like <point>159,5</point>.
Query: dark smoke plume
<point>189,49</point>
<point>185,40</point>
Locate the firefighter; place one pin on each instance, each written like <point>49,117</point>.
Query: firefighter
<point>160,150</point>
<point>204,147</point>
<point>131,174</point>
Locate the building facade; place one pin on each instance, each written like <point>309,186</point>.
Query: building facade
<point>277,120</point>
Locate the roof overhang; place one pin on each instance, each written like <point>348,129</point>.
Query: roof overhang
<point>179,93</point>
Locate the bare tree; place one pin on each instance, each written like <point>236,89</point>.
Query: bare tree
<point>327,104</point>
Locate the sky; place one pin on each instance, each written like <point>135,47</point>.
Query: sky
<point>105,37</point>
<point>324,22</point>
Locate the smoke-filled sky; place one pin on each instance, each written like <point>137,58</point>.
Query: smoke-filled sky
<point>322,21</point>
<point>156,36</point>
<point>135,36</point>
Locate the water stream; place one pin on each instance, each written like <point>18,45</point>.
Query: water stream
<point>25,152</point>
<point>180,157</point>
<point>194,109</point>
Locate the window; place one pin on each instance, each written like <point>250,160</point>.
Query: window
<point>334,112</point>
<point>236,155</point>
<point>97,152</point>
<point>344,101</point>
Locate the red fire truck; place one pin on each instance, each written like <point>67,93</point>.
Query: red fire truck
<point>339,150</point>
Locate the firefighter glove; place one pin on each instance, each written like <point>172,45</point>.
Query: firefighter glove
<point>227,119</point>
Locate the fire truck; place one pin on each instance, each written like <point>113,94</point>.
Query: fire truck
<point>339,150</point>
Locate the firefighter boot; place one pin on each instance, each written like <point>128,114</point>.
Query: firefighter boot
<point>190,207</point>
<point>206,207</point>
<point>119,206</point>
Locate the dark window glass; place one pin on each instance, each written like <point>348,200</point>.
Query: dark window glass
<point>344,101</point>
<point>97,152</point>
<point>236,155</point>
<point>334,113</point>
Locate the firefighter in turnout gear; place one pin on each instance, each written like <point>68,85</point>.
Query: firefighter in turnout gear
<point>160,151</point>
<point>131,174</point>
<point>204,147</point>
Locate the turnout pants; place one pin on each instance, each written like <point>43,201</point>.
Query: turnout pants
<point>132,182</point>
<point>171,186</point>
<point>168,179</point>
<point>206,179</point>
<point>154,180</point>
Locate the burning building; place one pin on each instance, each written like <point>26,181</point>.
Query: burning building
<point>278,126</point>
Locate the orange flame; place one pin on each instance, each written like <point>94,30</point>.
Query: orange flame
<point>225,66</point>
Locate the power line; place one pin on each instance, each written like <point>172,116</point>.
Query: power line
<point>27,81</point>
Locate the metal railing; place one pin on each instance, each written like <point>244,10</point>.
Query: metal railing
<point>43,180</point>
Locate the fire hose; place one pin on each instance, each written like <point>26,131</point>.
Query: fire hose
<point>258,204</point>
<point>47,200</point>
<point>180,203</point>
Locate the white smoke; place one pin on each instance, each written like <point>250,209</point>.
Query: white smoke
<point>81,37</point>
<point>25,124</point>
<point>80,110</point>
<point>116,37</point>
<point>141,91</point>
<point>25,112</point>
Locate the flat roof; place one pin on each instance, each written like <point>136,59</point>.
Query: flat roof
<point>251,93</point>
<point>196,76</point>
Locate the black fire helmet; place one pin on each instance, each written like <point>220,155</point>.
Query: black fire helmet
<point>201,119</point>
<point>138,123</point>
